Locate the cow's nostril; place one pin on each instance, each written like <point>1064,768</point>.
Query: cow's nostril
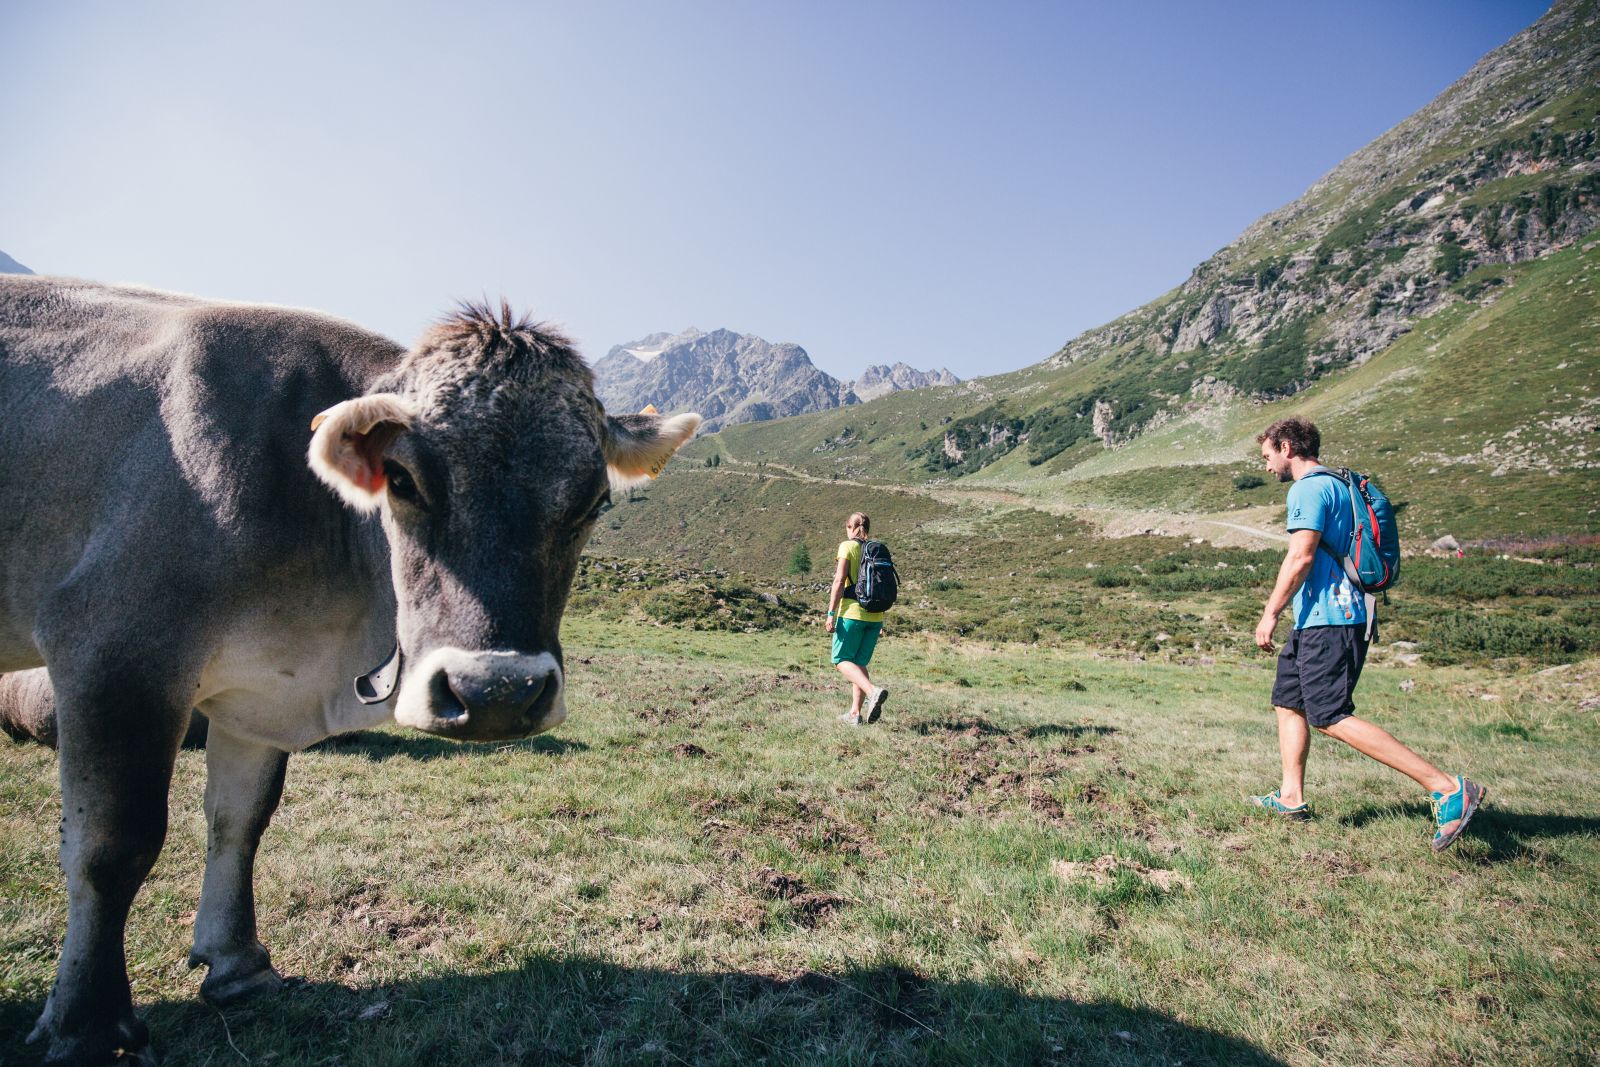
<point>538,689</point>
<point>447,702</point>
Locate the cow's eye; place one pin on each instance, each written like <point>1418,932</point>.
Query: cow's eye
<point>401,484</point>
<point>582,528</point>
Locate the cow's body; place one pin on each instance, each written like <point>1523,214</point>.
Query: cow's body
<point>155,478</point>
<point>165,545</point>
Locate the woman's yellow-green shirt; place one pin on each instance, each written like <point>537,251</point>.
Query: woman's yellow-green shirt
<point>850,608</point>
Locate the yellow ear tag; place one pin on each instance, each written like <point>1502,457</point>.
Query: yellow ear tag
<point>649,409</point>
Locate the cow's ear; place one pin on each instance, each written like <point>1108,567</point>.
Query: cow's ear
<point>349,441</point>
<point>638,446</point>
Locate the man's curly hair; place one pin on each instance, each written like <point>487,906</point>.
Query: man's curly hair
<point>1304,439</point>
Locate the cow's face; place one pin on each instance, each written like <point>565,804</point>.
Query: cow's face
<point>489,460</point>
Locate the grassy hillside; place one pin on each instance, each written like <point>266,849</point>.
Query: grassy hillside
<point>708,548</point>
<point>1481,419</point>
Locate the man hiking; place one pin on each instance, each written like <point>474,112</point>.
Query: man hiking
<point>1318,667</point>
<point>855,630</point>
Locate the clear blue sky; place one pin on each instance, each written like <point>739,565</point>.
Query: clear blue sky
<point>964,185</point>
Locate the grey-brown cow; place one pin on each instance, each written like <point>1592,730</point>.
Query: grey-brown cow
<point>167,542</point>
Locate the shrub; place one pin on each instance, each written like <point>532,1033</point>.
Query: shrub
<point>1451,263</point>
<point>1275,365</point>
<point>1458,636</point>
<point>1248,481</point>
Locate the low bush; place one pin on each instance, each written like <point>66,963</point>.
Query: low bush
<point>1459,636</point>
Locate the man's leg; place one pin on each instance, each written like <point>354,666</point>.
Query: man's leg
<point>1294,742</point>
<point>1372,740</point>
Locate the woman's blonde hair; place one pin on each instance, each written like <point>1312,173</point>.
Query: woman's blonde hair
<point>860,517</point>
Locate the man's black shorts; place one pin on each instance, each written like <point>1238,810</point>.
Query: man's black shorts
<point>1317,672</point>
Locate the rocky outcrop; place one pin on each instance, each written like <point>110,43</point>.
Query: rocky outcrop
<point>1103,412</point>
<point>1203,328</point>
<point>728,377</point>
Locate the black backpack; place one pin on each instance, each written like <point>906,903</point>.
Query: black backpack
<point>877,583</point>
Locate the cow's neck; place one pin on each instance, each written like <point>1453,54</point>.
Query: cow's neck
<point>366,560</point>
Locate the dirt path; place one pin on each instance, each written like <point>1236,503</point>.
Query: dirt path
<point>1112,522</point>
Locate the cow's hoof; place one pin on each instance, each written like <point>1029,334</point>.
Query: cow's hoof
<point>128,1043</point>
<point>225,990</point>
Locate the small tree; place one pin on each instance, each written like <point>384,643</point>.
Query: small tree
<point>800,559</point>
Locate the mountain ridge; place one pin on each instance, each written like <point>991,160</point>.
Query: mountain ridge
<point>731,377</point>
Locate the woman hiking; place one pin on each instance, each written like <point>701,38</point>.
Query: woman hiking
<point>855,630</point>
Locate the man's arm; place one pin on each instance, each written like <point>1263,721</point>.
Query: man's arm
<point>1296,565</point>
<point>841,575</point>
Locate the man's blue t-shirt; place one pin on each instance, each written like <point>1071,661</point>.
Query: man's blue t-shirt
<point>1318,502</point>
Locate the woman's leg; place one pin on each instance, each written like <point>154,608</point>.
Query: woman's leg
<point>860,684</point>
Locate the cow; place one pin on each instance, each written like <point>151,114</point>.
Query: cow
<point>171,540</point>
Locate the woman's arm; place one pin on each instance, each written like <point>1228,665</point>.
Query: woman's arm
<point>841,575</point>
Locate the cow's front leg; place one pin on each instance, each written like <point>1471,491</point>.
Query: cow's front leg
<point>244,781</point>
<point>118,741</point>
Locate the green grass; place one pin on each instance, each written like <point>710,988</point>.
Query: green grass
<point>702,866</point>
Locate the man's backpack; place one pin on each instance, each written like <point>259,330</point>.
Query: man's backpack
<point>877,583</point>
<point>1372,558</point>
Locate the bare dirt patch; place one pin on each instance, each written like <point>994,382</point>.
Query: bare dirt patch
<point>1103,870</point>
<point>808,907</point>
<point>798,824</point>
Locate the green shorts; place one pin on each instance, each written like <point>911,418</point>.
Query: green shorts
<point>854,640</point>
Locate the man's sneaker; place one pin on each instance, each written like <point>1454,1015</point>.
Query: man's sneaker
<point>1299,813</point>
<point>1452,811</point>
<point>850,718</point>
<point>875,703</point>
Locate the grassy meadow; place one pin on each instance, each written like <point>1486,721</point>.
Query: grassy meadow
<point>1040,855</point>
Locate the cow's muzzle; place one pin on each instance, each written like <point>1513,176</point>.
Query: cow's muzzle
<point>481,696</point>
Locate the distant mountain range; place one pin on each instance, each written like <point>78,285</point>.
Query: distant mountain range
<point>11,266</point>
<point>732,377</point>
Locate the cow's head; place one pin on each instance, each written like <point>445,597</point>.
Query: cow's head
<point>489,459</point>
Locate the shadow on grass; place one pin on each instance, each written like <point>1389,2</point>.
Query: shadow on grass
<point>580,1010</point>
<point>1051,729</point>
<point>1506,833</point>
<point>978,726</point>
<point>380,745</point>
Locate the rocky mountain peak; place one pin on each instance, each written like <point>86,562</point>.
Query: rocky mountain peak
<point>728,377</point>
<point>881,379</point>
<point>732,377</point>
